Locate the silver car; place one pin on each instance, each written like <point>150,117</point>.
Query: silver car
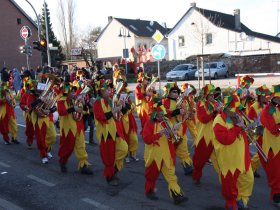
<point>181,72</point>
<point>215,69</point>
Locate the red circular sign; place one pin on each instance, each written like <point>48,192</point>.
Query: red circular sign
<point>25,32</point>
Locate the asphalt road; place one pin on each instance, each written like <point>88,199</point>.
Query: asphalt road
<point>26,183</point>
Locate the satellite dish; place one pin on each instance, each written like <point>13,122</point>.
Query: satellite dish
<point>243,36</point>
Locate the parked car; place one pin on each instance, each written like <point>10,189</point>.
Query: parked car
<point>216,70</point>
<point>181,72</point>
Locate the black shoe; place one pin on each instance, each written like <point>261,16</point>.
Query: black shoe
<point>179,199</point>
<point>63,168</point>
<point>114,181</point>
<point>86,170</point>
<point>7,143</point>
<point>14,141</point>
<point>151,195</point>
<point>256,174</point>
<point>188,169</point>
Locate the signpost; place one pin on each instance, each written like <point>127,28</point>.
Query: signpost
<point>25,33</point>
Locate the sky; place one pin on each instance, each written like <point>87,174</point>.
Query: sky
<point>258,15</point>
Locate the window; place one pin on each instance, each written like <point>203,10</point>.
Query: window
<point>181,41</point>
<point>209,38</point>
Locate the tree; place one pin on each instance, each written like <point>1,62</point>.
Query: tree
<point>88,43</point>
<point>56,55</point>
<point>203,31</point>
<point>66,16</point>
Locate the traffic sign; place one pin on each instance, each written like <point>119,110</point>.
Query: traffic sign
<point>158,52</point>
<point>25,32</point>
<point>158,37</point>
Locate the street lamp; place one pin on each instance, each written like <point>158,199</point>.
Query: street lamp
<point>125,34</point>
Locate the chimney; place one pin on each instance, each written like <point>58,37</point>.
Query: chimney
<point>110,18</point>
<point>193,4</point>
<point>237,23</point>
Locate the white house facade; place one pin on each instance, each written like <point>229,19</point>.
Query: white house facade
<point>202,31</point>
<point>130,34</point>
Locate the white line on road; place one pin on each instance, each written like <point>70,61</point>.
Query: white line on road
<point>21,125</point>
<point>96,204</point>
<point>8,205</point>
<point>37,179</point>
<point>4,165</point>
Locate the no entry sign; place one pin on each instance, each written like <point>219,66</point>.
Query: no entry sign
<point>25,32</point>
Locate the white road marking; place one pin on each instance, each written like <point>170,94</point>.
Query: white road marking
<point>21,125</point>
<point>37,179</point>
<point>96,204</point>
<point>4,172</point>
<point>8,205</point>
<point>4,165</point>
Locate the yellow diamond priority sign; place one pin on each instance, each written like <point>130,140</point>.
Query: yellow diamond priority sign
<point>158,36</point>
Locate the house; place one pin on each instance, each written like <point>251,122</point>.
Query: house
<point>12,19</point>
<point>133,35</point>
<point>202,31</point>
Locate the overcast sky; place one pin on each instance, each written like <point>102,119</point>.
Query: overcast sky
<point>258,15</point>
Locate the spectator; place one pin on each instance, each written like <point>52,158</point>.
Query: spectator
<point>16,80</point>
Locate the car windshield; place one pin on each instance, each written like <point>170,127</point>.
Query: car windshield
<point>212,66</point>
<point>181,68</point>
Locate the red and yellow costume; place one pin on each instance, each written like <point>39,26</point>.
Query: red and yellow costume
<point>254,114</point>
<point>174,117</point>
<point>43,126</point>
<point>7,113</point>
<point>109,132</point>
<point>29,88</point>
<point>206,111</point>
<point>190,103</point>
<point>160,155</point>
<point>141,98</point>
<point>270,119</point>
<point>244,94</point>
<point>130,127</point>
<point>72,135</point>
<point>233,157</point>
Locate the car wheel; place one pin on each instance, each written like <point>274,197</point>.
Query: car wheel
<point>186,77</point>
<point>227,75</point>
<point>215,76</point>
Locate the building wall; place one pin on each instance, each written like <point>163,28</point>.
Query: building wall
<point>194,27</point>
<point>10,39</point>
<point>111,45</point>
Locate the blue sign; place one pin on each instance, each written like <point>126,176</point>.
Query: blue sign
<point>158,52</point>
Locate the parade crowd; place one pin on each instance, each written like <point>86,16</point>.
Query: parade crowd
<point>222,126</point>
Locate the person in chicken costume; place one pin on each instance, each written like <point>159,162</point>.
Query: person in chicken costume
<point>190,103</point>
<point>109,133</point>
<point>270,119</point>
<point>29,88</point>
<point>44,128</point>
<point>72,135</point>
<point>232,151</point>
<point>177,114</point>
<point>246,97</point>
<point>206,111</point>
<point>263,93</point>
<point>160,155</point>
<point>129,125</point>
<point>7,113</point>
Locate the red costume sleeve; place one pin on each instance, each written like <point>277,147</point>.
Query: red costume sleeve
<point>149,136</point>
<point>226,136</point>
<point>61,108</point>
<point>138,93</point>
<point>166,104</point>
<point>30,99</point>
<point>252,113</point>
<point>23,101</point>
<point>98,112</point>
<point>2,101</point>
<point>202,115</point>
<point>268,121</point>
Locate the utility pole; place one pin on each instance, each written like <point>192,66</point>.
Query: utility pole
<point>47,34</point>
